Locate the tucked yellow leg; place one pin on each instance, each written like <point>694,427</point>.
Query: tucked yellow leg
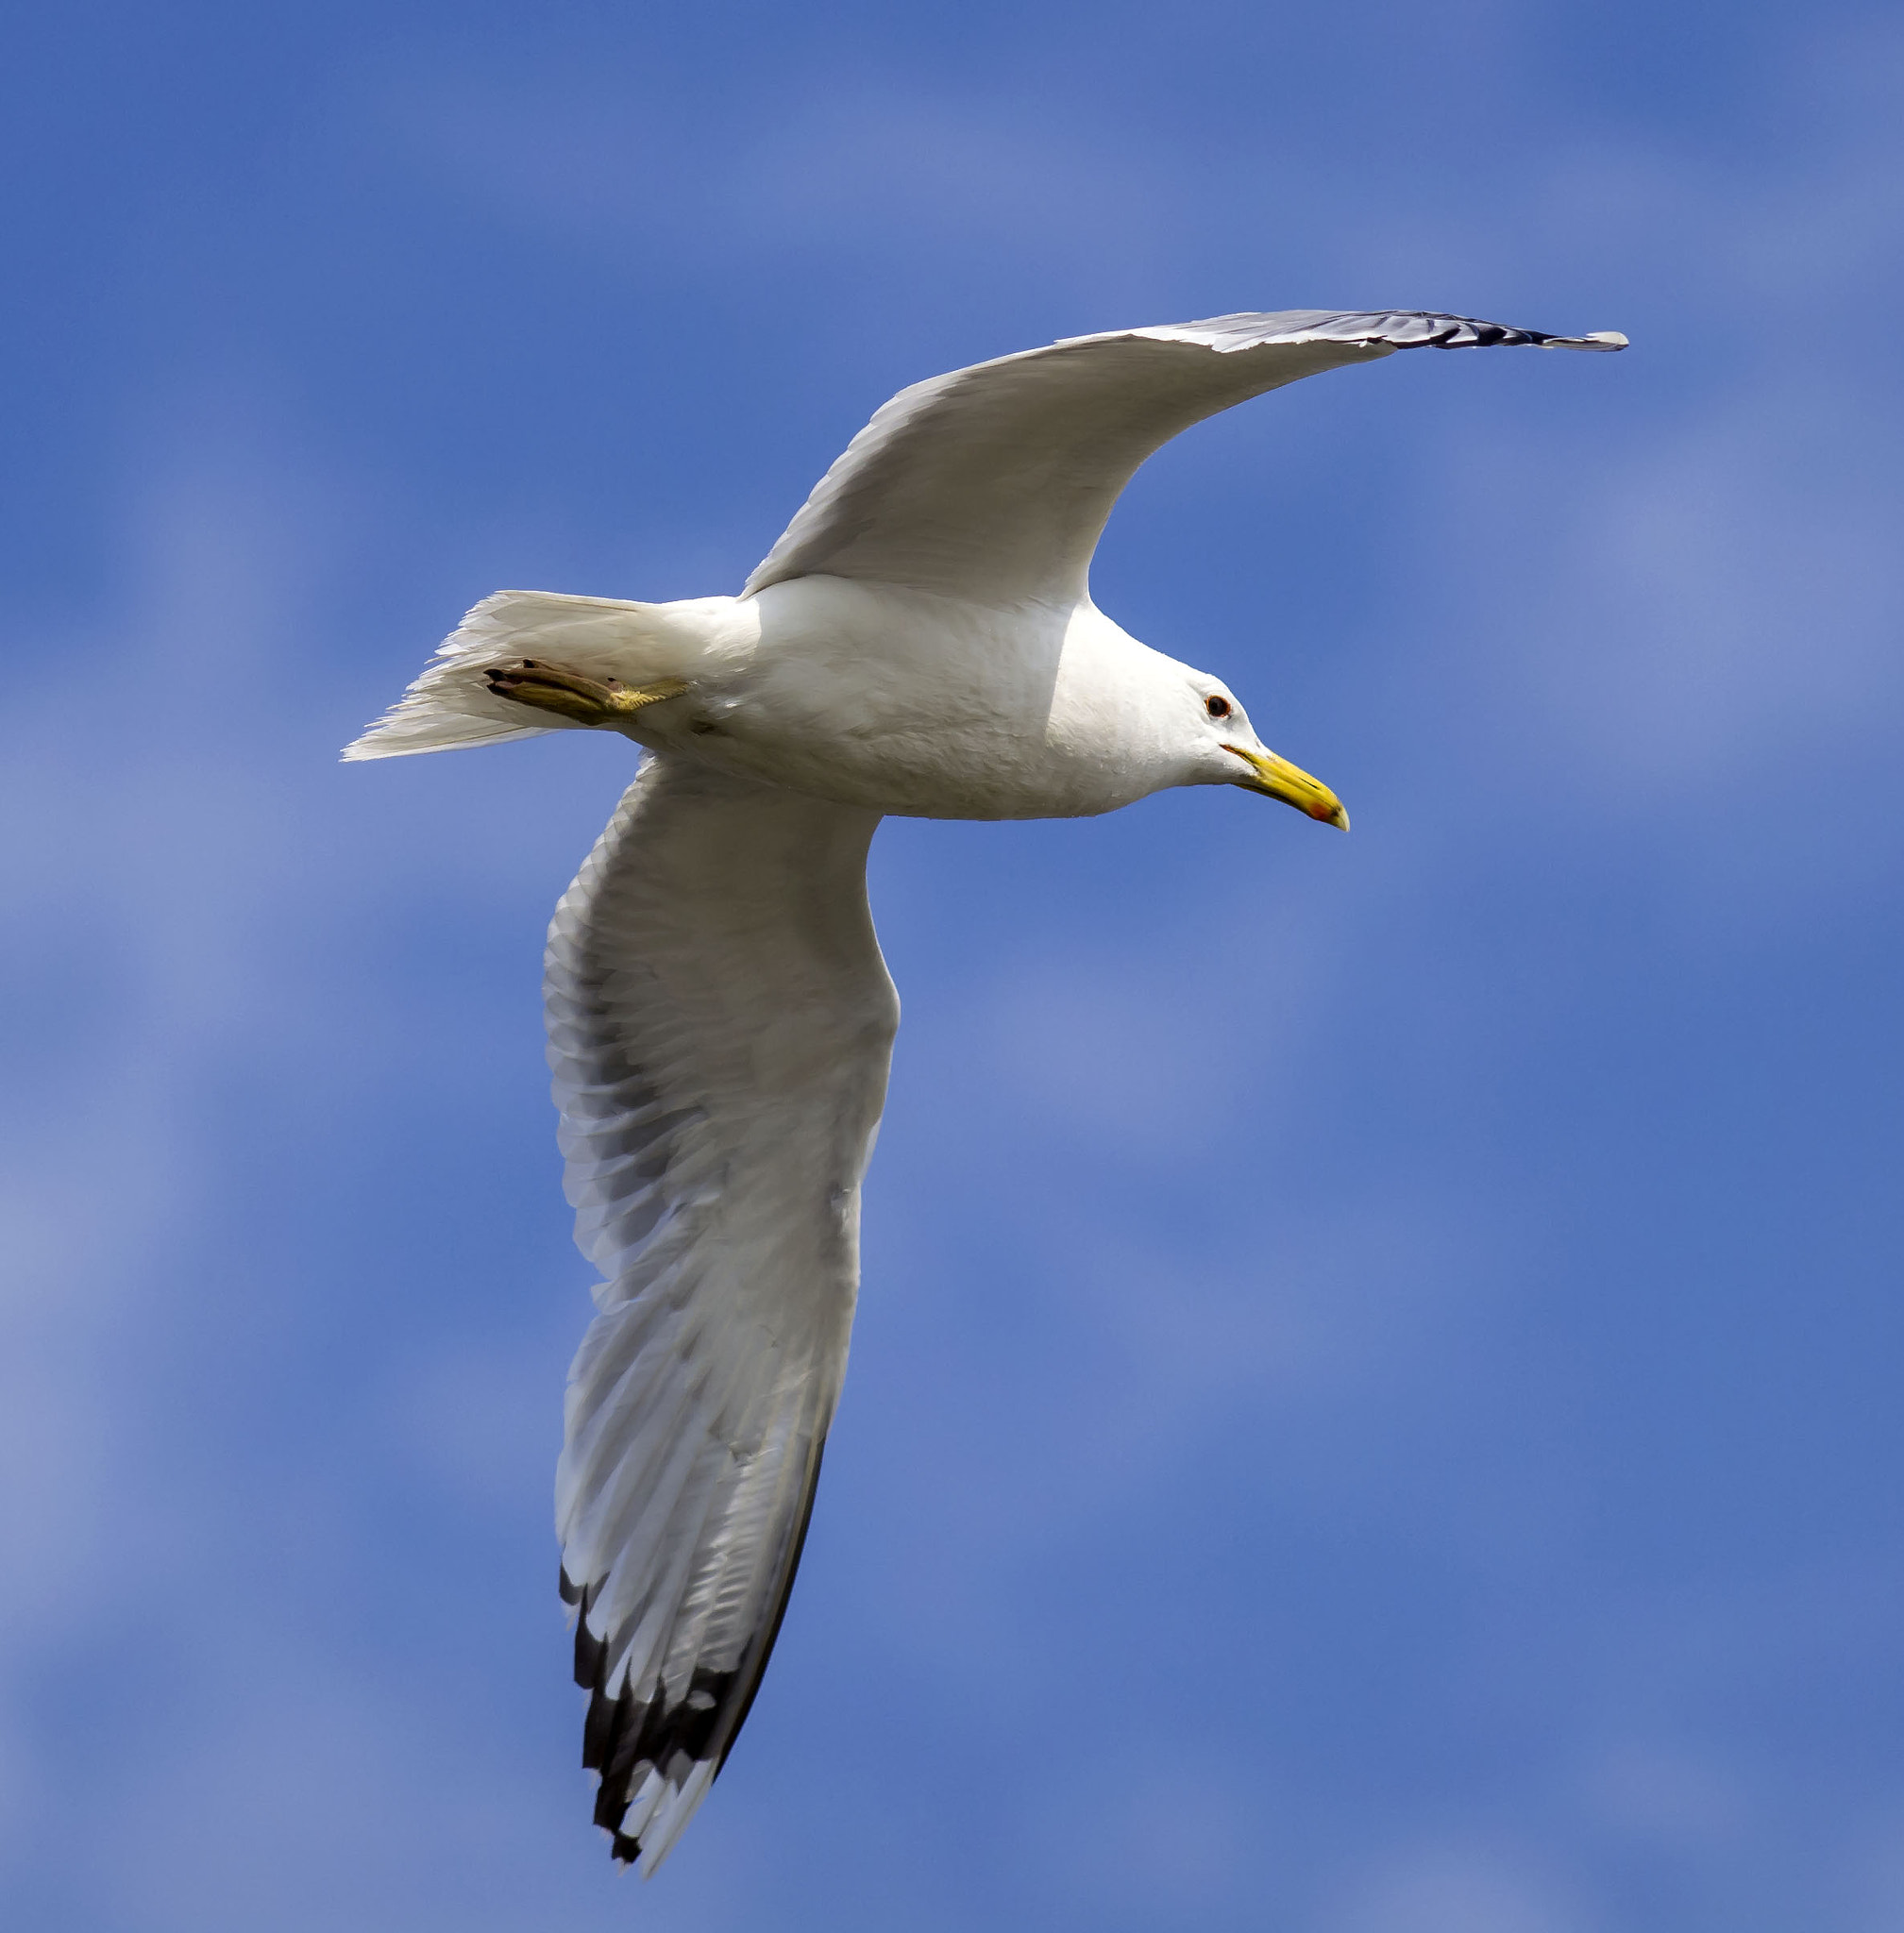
<point>568,695</point>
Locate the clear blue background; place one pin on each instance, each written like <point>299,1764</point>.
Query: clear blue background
<point>1375,1401</point>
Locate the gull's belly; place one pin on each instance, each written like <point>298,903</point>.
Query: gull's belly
<point>906,702</point>
<point>927,773</point>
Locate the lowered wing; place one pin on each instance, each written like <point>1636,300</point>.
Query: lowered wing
<point>720,1023</point>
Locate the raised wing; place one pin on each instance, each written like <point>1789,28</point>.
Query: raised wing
<point>720,1023</point>
<point>994,483</point>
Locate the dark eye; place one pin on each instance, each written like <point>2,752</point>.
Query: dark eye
<point>1217,706</point>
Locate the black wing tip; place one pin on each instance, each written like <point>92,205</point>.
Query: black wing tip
<point>590,1652</point>
<point>1375,329</point>
<point>1467,332</point>
<point>623,1740</point>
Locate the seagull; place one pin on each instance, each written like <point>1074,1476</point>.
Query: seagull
<point>921,641</point>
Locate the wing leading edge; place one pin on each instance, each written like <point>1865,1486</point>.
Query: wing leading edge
<point>994,483</point>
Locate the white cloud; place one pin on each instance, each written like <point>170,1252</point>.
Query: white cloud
<point>1448,1887</point>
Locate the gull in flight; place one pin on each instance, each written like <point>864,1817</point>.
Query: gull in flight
<point>921,641</point>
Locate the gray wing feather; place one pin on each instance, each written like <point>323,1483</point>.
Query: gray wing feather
<point>995,482</point>
<point>720,1024</point>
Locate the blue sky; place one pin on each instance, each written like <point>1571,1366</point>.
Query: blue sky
<point>1374,1403</point>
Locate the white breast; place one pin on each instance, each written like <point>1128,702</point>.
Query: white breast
<point>911,702</point>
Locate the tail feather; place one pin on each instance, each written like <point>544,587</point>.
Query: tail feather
<point>450,706</point>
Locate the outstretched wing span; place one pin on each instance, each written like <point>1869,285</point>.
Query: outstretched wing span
<point>720,1023</point>
<point>994,483</point>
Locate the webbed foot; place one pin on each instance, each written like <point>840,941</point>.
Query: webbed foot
<point>569,695</point>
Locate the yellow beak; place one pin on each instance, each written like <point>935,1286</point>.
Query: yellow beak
<point>1277,778</point>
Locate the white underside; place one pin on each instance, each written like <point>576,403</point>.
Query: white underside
<point>868,695</point>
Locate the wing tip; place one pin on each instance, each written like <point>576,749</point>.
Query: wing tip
<point>655,1759</point>
<point>1373,331</point>
<point>658,1760</point>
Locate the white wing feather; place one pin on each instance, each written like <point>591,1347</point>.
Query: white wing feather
<point>993,484</point>
<point>720,1024</point>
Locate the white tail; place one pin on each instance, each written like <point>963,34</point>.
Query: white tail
<point>450,706</point>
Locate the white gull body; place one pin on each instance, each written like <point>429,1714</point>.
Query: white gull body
<point>921,641</point>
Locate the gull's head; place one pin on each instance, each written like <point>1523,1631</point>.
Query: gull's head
<point>1228,752</point>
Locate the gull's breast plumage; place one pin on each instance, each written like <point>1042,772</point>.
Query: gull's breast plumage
<point>919,703</point>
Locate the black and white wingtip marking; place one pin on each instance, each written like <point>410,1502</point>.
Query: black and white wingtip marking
<point>1397,328</point>
<point>655,1760</point>
<point>643,1752</point>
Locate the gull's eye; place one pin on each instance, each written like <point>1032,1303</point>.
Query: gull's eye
<point>1217,706</point>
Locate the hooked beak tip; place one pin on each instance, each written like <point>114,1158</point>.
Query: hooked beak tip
<point>1276,778</point>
